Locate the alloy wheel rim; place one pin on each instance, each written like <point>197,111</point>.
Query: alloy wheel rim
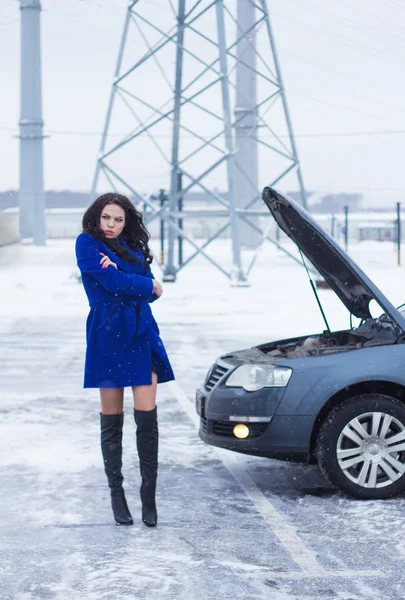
<point>371,450</point>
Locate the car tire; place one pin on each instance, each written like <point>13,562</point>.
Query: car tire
<point>360,431</point>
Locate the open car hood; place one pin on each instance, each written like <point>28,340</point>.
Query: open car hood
<point>340,272</point>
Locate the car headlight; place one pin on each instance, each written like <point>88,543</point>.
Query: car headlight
<point>255,377</point>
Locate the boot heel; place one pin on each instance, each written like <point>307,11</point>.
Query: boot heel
<point>120,508</point>
<point>149,512</point>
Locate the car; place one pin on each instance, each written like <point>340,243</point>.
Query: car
<point>335,398</point>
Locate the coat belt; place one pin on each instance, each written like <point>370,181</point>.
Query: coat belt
<point>135,317</point>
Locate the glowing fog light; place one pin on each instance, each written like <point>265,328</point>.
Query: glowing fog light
<point>241,431</point>
<point>255,377</point>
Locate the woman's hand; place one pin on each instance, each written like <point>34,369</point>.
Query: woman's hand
<point>157,288</point>
<point>107,262</point>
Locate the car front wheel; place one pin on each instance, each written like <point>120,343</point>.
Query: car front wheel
<point>361,447</point>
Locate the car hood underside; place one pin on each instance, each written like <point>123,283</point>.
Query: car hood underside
<point>341,273</point>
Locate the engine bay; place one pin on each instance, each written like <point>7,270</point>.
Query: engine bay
<point>374,332</point>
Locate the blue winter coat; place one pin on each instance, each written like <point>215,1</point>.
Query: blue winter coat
<point>122,335</point>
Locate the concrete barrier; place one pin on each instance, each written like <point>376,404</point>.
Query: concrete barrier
<point>9,227</point>
<point>67,223</point>
<point>63,222</point>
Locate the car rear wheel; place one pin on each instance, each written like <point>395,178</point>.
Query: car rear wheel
<point>361,447</point>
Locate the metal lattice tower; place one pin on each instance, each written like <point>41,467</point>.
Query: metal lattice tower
<point>199,94</point>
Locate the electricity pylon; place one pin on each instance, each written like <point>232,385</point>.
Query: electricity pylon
<point>202,85</point>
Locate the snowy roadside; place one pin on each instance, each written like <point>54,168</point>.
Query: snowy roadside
<point>41,280</point>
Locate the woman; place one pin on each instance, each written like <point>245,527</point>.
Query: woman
<point>123,344</point>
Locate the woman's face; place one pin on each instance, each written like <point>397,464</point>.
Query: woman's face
<point>112,220</point>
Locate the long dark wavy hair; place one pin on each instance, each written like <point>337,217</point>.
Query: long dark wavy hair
<point>134,233</point>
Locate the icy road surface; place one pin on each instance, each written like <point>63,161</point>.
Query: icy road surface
<point>230,527</point>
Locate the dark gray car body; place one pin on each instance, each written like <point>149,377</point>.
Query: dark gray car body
<point>371,357</point>
<point>316,380</point>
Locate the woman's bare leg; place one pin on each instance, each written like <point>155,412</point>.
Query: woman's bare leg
<point>112,401</point>
<point>145,395</point>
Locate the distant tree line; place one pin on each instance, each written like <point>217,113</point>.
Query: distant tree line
<point>62,199</point>
<point>329,203</point>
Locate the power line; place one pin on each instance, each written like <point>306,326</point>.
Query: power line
<point>395,6</point>
<point>352,133</point>
<point>64,15</point>
<point>104,6</point>
<point>168,136</point>
<point>73,18</point>
<point>338,38</point>
<point>350,23</point>
<point>52,30</point>
<point>345,75</point>
<point>364,12</point>
<point>323,102</point>
<point>116,9</point>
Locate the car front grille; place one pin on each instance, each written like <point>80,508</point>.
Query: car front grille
<point>217,372</point>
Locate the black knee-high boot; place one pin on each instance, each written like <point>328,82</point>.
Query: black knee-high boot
<point>147,438</point>
<point>111,448</point>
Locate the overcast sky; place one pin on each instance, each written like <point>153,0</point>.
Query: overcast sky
<point>343,63</point>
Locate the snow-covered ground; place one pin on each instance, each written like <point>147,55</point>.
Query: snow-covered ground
<point>230,526</point>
